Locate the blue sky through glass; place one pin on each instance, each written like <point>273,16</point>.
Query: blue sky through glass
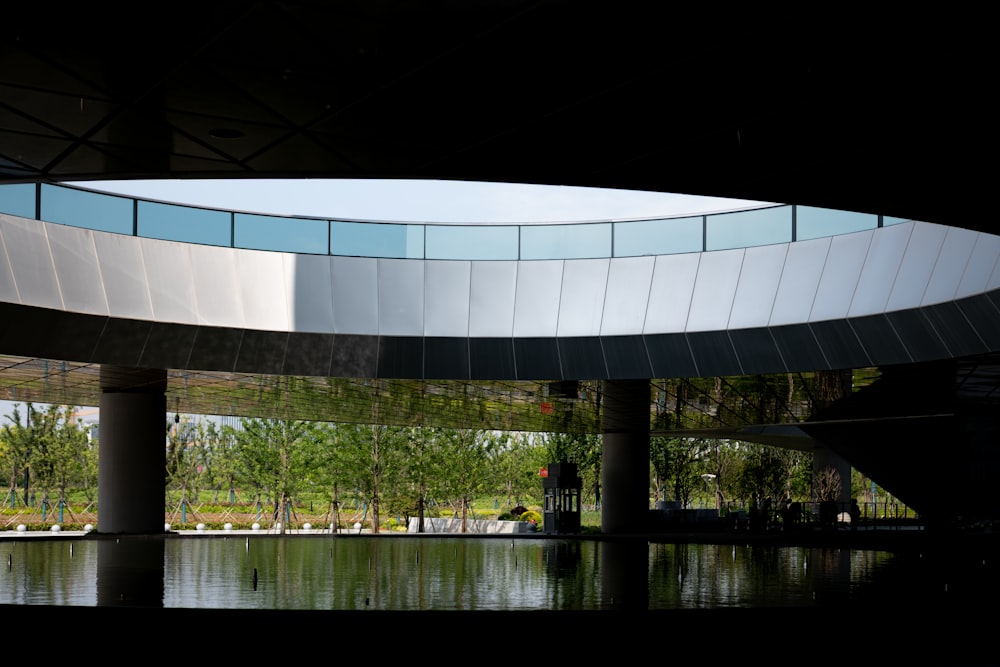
<point>420,201</point>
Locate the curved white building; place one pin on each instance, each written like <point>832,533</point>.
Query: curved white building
<point>622,302</point>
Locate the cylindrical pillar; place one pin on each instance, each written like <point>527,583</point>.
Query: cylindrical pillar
<point>130,467</point>
<point>625,410</point>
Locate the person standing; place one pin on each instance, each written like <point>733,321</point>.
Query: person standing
<point>855,513</point>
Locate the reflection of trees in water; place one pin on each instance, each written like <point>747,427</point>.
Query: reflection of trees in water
<point>570,583</point>
<point>471,573</point>
<point>712,575</point>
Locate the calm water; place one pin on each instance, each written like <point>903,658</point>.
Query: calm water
<point>433,573</point>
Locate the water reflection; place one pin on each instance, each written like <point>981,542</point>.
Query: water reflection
<point>435,573</point>
<point>700,576</point>
<point>129,572</point>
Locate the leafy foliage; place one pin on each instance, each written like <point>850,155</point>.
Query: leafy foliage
<point>46,451</point>
<point>678,464</point>
<point>275,456</point>
<point>405,470</point>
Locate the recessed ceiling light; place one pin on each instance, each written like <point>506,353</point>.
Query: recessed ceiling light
<point>225,133</point>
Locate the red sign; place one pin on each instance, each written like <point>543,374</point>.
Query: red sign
<point>543,472</point>
<point>546,408</point>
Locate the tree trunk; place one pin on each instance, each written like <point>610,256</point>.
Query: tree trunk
<point>420,512</point>
<point>282,514</point>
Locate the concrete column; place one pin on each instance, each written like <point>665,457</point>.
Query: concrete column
<point>131,454</point>
<point>625,456</point>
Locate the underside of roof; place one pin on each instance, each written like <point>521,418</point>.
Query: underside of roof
<point>802,107</point>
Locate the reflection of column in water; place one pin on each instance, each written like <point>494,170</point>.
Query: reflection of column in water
<point>562,558</point>
<point>130,572</point>
<point>830,573</point>
<point>373,574</point>
<point>624,574</point>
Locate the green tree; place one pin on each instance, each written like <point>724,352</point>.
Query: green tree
<point>18,439</point>
<point>370,459</point>
<point>422,470</point>
<point>769,472</point>
<point>219,459</point>
<point>468,467</point>
<point>514,461</point>
<point>88,467</point>
<point>275,456</point>
<point>678,464</point>
<point>59,451</point>
<point>181,459</point>
<point>330,471</point>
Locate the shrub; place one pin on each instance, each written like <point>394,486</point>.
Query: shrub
<point>531,515</point>
<point>396,524</point>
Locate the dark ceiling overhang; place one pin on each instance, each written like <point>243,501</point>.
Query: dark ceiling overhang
<point>875,114</point>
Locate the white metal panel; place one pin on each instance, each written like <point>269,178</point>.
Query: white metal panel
<point>216,286</point>
<point>994,281</point>
<point>885,255</point>
<point>401,297</point>
<point>536,308</point>
<point>581,304</point>
<point>261,289</point>
<point>355,295</point>
<point>671,292</point>
<point>309,279</point>
<point>75,259</point>
<point>627,297</point>
<point>170,280</point>
<point>8,291</point>
<point>758,286</point>
<point>31,263</point>
<point>799,281</point>
<point>491,301</point>
<point>123,273</point>
<point>715,289</point>
<point>446,298</point>
<point>981,272</point>
<point>916,266</point>
<point>841,274</point>
<point>950,265</point>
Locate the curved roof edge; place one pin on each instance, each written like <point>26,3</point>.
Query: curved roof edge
<point>911,292</point>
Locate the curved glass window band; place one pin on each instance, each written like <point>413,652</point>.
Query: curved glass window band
<point>472,242</point>
<point>90,210</point>
<point>171,222</point>
<point>78,207</point>
<point>659,237</point>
